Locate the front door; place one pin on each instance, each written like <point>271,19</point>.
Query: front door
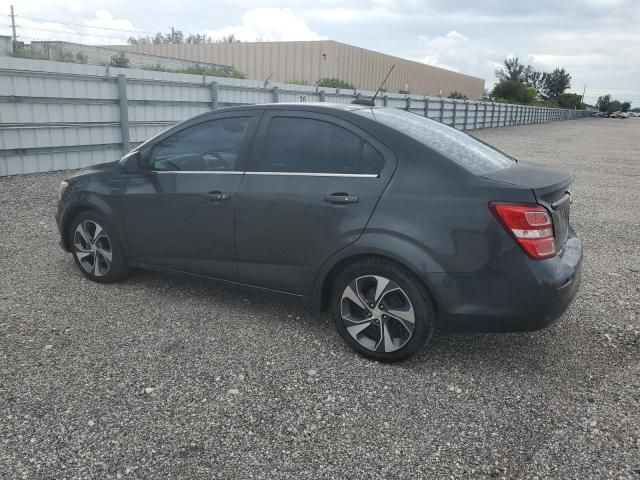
<point>310,188</point>
<point>180,212</point>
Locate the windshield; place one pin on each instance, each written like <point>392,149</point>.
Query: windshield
<point>465,150</point>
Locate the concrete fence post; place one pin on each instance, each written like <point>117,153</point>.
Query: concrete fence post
<point>466,114</point>
<point>408,104</point>
<point>493,112</point>
<point>385,100</point>
<point>275,91</point>
<point>475,115</point>
<point>214,95</point>
<point>124,112</point>
<point>426,107</point>
<point>484,115</point>
<point>455,112</point>
<point>323,96</point>
<point>442,110</point>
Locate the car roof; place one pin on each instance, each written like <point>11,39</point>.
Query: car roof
<point>307,106</point>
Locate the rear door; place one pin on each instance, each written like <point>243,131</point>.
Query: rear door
<point>311,185</point>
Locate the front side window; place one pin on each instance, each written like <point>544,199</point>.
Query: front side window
<point>463,149</point>
<point>305,145</point>
<point>206,147</point>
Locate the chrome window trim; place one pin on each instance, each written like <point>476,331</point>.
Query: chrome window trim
<point>312,174</point>
<point>299,174</point>
<point>222,172</point>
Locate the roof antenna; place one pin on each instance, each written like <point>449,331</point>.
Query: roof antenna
<point>371,102</point>
<point>266,80</point>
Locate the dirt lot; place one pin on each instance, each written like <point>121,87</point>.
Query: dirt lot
<point>165,377</point>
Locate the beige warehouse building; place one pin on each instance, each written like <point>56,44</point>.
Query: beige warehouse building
<point>311,60</point>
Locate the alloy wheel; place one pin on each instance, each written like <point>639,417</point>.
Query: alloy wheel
<point>92,248</point>
<point>377,313</point>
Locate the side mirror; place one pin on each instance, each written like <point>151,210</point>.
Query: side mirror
<point>131,162</point>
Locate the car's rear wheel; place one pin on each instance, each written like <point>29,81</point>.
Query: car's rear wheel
<point>96,249</point>
<point>382,310</point>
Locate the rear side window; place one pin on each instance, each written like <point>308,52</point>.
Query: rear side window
<point>371,160</point>
<point>305,145</point>
<point>209,146</point>
<point>463,149</point>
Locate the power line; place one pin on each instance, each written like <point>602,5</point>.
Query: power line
<point>69,32</point>
<point>84,25</point>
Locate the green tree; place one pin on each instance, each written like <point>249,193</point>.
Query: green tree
<point>458,95</point>
<point>119,60</point>
<point>513,70</point>
<point>625,106</point>
<point>335,83</point>
<point>570,100</point>
<point>603,103</point>
<point>555,83</point>
<point>229,39</point>
<point>514,91</point>
<point>175,37</point>
<point>614,106</point>
<point>533,78</point>
<point>197,38</point>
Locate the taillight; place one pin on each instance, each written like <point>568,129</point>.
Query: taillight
<point>530,225</point>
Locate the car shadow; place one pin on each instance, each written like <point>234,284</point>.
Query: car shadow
<point>507,350</point>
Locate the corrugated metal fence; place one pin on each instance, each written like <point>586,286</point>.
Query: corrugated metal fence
<point>56,116</point>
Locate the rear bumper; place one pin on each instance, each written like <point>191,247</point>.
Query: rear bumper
<point>515,293</point>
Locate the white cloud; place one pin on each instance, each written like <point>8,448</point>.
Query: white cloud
<point>457,52</point>
<point>269,24</point>
<point>105,20</point>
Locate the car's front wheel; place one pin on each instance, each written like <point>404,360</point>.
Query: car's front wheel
<point>96,249</point>
<point>382,310</point>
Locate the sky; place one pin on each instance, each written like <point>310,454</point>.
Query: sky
<point>596,41</point>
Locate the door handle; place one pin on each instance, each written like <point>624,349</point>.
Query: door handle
<point>217,196</point>
<point>341,198</point>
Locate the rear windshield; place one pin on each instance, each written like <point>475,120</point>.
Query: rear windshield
<point>472,154</point>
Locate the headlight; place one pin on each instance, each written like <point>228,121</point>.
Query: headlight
<point>62,188</point>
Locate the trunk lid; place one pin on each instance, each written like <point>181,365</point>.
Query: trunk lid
<point>550,187</point>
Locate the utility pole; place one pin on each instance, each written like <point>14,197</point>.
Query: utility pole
<point>173,36</point>
<point>583,92</point>
<point>13,28</point>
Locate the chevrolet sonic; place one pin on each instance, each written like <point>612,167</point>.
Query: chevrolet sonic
<point>394,222</point>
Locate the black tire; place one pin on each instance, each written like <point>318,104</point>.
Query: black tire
<point>108,271</point>
<point>410,288</point>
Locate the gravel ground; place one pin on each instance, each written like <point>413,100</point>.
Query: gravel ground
<point>166,377</point>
